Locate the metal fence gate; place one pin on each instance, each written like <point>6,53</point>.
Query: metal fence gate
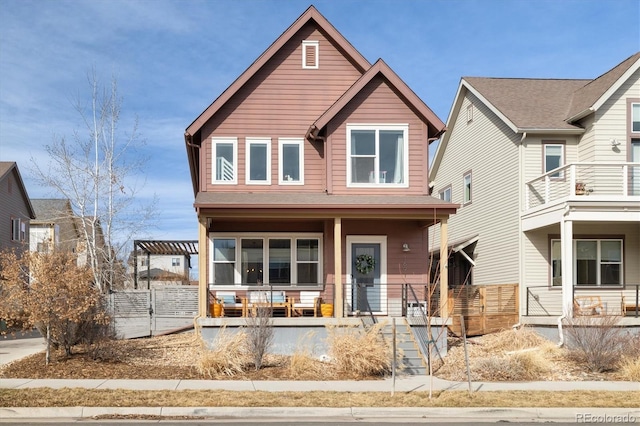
<point>141,313</point>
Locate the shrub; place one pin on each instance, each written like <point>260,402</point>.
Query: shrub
<point>597,342</point>
<point>357,353</point>
<point>227,357</point>
<point>259,334</point>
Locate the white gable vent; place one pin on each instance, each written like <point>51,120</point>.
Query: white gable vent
<point>310,50</point>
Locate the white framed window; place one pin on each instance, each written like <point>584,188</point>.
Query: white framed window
<point>16,229</point>
<point>377,155</point>
<point>310,54</point>
<point>553,158</point>
<point>250,259</point>
<point>258,152</point>
<point>597,263</point>
<point>291,161</point>
<point>635,117</point>
<point>466,185</point>
<point>225,164</point>
<point>175,261</point>
<point>445,194</point>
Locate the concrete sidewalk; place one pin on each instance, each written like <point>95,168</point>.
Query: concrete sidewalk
<point>17,348</point>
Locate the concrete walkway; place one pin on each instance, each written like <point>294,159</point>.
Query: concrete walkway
<point>17,348</point>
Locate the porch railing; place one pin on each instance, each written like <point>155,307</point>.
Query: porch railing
<point>599,180</point>
<point>547,301</point>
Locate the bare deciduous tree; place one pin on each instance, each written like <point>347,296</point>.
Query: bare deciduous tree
<point>51,292</point>
<point>100,172</point>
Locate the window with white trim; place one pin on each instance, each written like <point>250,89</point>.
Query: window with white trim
<point>466,184</point>
<point>445,194</point>
<point>635,117</point>
<point>377,155</point>
<point>291,161</point>
<point>225,154</point>
<point>258,152</point>
<point>310,54</point>
<point>16,226</point>
<point>553,158</point>
<point>240,260</point>
<point>597,263</point>
<point>175,261</point>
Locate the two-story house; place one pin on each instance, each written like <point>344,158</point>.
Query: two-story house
<point>16,211</point>
<point>310,172</point>
<point>55,226</point>
<point>547,173</point>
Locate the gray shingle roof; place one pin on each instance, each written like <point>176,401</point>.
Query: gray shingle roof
<point>546,103</point>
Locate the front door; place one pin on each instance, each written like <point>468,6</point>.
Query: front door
<point>367,266</point>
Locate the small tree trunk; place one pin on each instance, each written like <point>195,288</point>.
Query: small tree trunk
<point>47,356</point>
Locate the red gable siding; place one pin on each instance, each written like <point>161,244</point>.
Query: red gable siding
<point>282,100</point>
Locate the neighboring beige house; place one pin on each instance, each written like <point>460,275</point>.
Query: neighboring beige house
<point>16,211</point>
<point>55,226</point>
<point>310,174</point>
<point>546,170</point>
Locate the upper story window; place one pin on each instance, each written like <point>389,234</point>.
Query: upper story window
<point>225,154</point>
<point>310,50</point>
<point>635,117</point>
<point>175,261</point>
<point>445,194</point>
<point>17,229</point>
<point>553,158</point>
<point>466,183</point>
<point>258,152</point>
<point>291,161</point>
<point>377,155</point>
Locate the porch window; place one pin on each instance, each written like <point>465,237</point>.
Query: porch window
<point>307,261</point>
<point>596,262</point>
<point>258,170</point>
<point>225,152</point>
<point>377,155</point>
<point>290,259</point>
<point>291,161</point>
<point>224,259</point>
<point>553,158</point>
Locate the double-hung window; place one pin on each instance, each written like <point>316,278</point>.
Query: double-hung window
<point>258,170</point>
<point>445,194</point>
<point>16,229</point>
<point>466,188</point>
<point>635,117</point>
<point>553,159</point>
<point>291,161</point>
<point>276,259</point>
<point>377,155</point>
<point>225,154</point>
<point>597,262</point>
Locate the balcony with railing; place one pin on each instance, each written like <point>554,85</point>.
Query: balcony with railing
<point>604,182</point>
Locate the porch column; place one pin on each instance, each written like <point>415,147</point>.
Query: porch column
<point>203,285</point>
<point>444,270</point>
<point>566,249</point>
<point>337,262</point>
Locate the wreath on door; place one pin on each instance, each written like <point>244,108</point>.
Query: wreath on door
<point>365,263</point>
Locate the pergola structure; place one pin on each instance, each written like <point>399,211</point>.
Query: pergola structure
<point>160,247</point>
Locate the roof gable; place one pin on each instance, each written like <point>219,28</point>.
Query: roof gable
<point>8,167</point>
<point>311,14</point>
<point>436,126</point>
<point>593,94</point>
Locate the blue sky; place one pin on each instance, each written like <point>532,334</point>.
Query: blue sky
<point>172,58</point>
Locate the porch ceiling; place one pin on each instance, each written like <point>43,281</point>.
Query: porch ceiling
<point>320,205</point>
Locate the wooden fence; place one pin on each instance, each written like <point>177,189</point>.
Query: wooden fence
<point>485,308</point>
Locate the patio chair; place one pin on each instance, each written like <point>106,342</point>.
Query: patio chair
<point>309,303</point>
<point>588,305</point>
<point>231,305</point>
<point>276,300</point>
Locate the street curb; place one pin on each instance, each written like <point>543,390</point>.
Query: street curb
<point>479,414</point>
